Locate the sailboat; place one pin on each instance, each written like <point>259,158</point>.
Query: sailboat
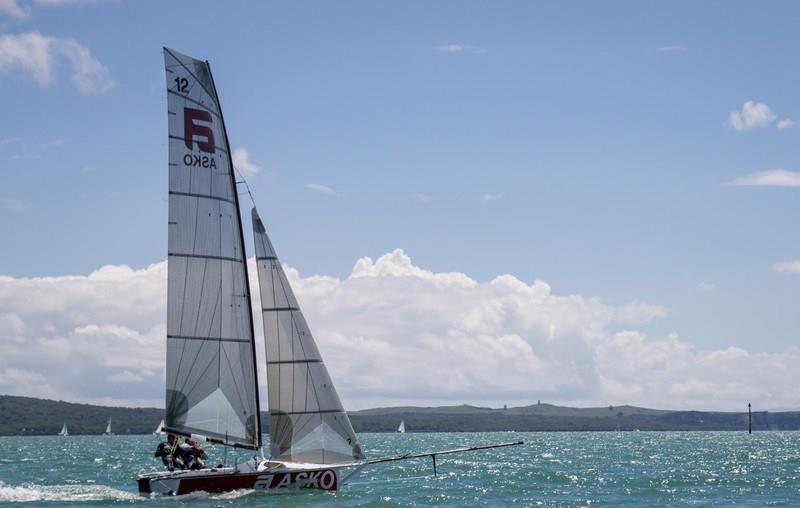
<point>64,431</point>
<point>402,427</point>
<point>212,376</point>
<point>108,428</point>
<point>160,429</point>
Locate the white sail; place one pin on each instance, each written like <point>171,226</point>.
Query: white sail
<point>211,375</point>
<point>402,428</point>
<point>160,429</point>
<point>64,431</point>
<point>108,427</point>
<point>307,420</point>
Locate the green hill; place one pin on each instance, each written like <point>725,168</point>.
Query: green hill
<point>31,416</point>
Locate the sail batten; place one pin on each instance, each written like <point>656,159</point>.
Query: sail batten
<point>307,420</point>
<point>211,374</point>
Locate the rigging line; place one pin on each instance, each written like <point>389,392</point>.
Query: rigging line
<point>246,185</point>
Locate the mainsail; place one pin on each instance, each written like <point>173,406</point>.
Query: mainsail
<point>64,431</point>
<point>211,375</point>
<point>306,418</point>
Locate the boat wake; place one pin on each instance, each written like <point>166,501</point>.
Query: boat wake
<point>62,493</point>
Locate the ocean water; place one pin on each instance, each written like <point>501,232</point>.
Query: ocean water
<point>550,469</point>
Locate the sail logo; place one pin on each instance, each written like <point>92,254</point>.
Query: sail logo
<point>191,132</point>
<point>191,129</point>
<point>325,480</point>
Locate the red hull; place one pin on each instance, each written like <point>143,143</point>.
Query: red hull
<point>186,482</point>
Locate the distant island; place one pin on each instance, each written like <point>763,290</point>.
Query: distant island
<point>32,416</point>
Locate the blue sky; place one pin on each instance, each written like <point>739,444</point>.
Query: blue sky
<point>586,144</point>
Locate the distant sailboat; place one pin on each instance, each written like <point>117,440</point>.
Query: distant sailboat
<point>212,375</point>
<point>402,428</point>
<point>64,431</point>
<point>108,428</point>
<point>160,429</point>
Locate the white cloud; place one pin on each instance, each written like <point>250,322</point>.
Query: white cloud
<point>421,197</point>
<point>13,205</point>
<point>770,177</point>
<point>752,115</point>
<point>787,266</point>
<point>672,49</point>
<point>705,286</point>
<point>452,48</point>
<point>391,333</point>
<point>242,162</point>
<point>786,123</point>
<point>38,54</point>
<point>324,189</point>
<point>67,3</point>
<point>489,197</point>
<point>13,9</point>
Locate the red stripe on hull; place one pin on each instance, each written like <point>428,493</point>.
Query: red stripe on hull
<point>323,479</point>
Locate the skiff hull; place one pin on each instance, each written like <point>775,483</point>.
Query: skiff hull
<point>228,479</point>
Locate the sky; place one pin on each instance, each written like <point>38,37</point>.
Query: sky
<point>579,202</point>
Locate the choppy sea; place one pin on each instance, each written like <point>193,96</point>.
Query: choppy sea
<point>551,469</point>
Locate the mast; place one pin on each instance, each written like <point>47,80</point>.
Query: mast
<point>244,253</point>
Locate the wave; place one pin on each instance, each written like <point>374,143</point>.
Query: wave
<point>65,493</point>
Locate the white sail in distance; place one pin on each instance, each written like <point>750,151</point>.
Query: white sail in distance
<point>108,428</point>
<point>402,427</point>
<point>306,419</point>
<point>64,431</point>
<point>160,429</point>
<point>211,375</point>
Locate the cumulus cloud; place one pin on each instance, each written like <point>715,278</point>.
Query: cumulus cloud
<point>787,266</point>
<point>242,162</point>
<point>38,55</point>
<point>13,9</point>
<point>770,178</point>
<point>671,49</point>
<point>391,332</point>
<point>324,189</point>
<point>752,115</point>
<point>491,196</point>
<point>70,335</point>
<point>452,48</point>
<point>786,123</point>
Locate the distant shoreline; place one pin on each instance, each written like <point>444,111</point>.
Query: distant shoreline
<point>28,416</point>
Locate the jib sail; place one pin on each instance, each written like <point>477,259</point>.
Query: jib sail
<point>306,418</point>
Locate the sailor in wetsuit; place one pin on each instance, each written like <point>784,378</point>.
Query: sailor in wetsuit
<point>169,453</point>
<point>192,454</point>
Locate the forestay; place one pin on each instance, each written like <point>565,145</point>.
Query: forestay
<point>307,420</point>
<point>211,377</point>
